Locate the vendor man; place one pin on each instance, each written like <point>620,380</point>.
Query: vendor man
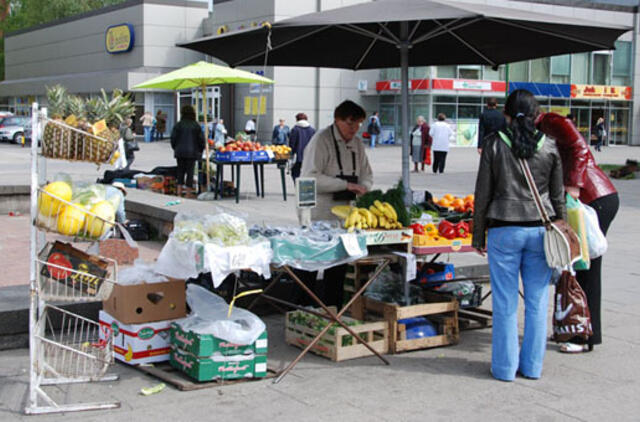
<point>336,158</point>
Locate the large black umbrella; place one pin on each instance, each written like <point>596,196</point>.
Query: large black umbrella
<point>403,33</point>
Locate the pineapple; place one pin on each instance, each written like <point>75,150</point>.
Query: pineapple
<point>74,105</point>
<point>52,138</point>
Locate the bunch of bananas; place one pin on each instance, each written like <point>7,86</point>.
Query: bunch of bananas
<point>379,215</point>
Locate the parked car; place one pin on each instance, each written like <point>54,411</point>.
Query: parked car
<point>12,128</point>
<point>5,113</point>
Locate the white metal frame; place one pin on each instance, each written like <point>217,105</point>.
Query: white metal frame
<point>41,371</point>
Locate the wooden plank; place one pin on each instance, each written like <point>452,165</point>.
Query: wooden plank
<point>422,343</point>
<point>167,373</point>
<point>425,309</point>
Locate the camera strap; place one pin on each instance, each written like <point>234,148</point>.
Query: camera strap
<point>353,154</point>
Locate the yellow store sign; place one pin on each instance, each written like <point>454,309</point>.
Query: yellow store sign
<point>601,92</point>
<point>119,38</point>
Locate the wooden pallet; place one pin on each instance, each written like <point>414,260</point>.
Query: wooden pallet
<point>444,313</point>
<point>332,345</point>
<point>475,318</point>
<point>167,373</point>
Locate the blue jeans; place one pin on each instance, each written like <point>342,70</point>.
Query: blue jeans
<point>373,140</point>
<point>514,251</point>
<point>147,133</point>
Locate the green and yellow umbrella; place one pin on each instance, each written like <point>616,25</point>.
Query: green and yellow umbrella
<point>203,74</point>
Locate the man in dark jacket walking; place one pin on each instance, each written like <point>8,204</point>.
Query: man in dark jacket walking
<point>491,121</point>
<point>187,141</point>
<point>300,136</point>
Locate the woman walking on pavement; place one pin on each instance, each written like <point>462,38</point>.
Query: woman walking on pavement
<point>515,240</point>
<point>420,141</point>
<point>600,133</point>
<point>441,133</point>
<point>147,124</point>
<point>187,141</point>
<point>584,180</point>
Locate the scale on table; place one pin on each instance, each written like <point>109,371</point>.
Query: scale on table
<point>306,198</point>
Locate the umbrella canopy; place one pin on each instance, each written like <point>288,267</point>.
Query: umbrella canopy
<point>403,33</point>
<point>202,74</point>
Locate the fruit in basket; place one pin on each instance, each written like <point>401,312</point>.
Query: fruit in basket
<point>71,221</point>
<point>50,206</point>
<point>98,226</point>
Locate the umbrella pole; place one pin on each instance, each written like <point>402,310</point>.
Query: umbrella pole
<point>206,130</point>
<point>406,138</point>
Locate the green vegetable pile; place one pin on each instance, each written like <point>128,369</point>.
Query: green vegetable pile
<point>394,196</point>
<point>317,323</point>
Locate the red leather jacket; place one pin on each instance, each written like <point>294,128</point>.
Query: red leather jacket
<point>578,165</point>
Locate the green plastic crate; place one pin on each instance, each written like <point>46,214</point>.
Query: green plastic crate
<point>203,345</point>
<point>219,367</point>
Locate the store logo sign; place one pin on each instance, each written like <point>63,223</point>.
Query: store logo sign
<point>119,38</point>
<point>601,92</point>
<point>476,85</point>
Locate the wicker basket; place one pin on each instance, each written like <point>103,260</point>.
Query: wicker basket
<point>65,142</point>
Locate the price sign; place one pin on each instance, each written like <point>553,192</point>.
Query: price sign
<point>306,192</point>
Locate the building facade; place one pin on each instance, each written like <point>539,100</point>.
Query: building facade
<point>71,52</point>
<point>74,52</point>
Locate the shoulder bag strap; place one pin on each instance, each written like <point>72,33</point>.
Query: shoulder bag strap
<point>534,191</point>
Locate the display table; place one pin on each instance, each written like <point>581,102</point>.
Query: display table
<point>258,175</point>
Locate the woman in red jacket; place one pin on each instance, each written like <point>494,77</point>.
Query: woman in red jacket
<point>584,180</point>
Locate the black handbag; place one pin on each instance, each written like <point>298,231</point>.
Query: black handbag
<point>132,145</point>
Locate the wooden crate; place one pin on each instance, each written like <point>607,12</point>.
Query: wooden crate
<point>443,312</point>
<point>376,334</point>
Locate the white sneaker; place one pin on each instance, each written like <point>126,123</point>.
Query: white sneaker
<point>572,348</point>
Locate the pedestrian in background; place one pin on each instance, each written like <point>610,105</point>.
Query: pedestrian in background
<point>515,240</point>
<point>374,128</point>
<point>130,146</point>
<point>280,134</point>
<point>441,133</point>
<point>301,134</point>
<point>491,121</point>
<point>147,125</point>
<point>187,141</point>
<point>584,180</point>
<point>161,125</point>
<point>600,133</point>
<point>420,141</point>
<point>250,128</point>
<point>220,133</point>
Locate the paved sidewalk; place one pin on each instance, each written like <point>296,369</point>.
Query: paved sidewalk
<point>443,384</point>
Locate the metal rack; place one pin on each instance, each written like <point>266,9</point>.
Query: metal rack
<point>64,348</point>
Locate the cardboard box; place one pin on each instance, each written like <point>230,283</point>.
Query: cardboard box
<point>140,303</point>
<point>219,367</point>
<point>90,271</point>
<point>203,345</point>
<point>134,344</point>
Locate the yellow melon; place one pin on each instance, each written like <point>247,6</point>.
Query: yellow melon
<point>71,221</point>
<point>50,206</point>
<point>96,227</point>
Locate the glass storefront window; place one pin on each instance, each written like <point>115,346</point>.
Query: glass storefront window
<point>449,110</point>
<point>618,124</point>
<point>468,112</point>
<point>519,72</point>
<point>580,68</point>
<point>492,75</point>
<point>391,73</point>
<point>601,69</point>
<point>444,99</point>
<point>469,100</point>
<point>560,69</point>
<point>469,72</point>
<point>622,59</point>
<point>421,72</point>
<point>446,71</point>
<point>540,70</point>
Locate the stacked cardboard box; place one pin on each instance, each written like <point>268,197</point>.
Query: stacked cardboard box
<point>205,357</point>
<point>140,316</point>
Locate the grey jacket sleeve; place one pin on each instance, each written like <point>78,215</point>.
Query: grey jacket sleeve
<point>483,194</point>
<point>316,160</point>
<point>556,187</point>
<point>365,176</point>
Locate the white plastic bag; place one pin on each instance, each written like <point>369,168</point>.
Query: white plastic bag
<point>222,261</point>
<point>595,238</point>
<point>140,272</point>
<point>209,316</point>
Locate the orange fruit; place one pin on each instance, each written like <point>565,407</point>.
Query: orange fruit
<point>449,197</point>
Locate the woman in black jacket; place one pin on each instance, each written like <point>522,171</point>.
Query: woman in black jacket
<point>187,141</point>
<point>515,241</point>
